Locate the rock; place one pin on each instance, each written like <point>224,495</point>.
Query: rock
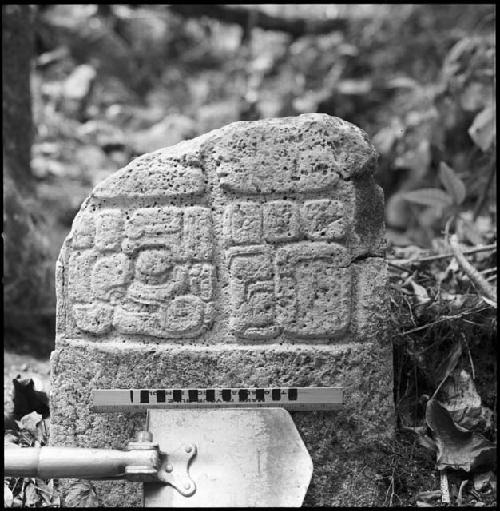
<point>250,256</point>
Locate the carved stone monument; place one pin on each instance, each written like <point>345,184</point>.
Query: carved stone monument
<point>250,256</point>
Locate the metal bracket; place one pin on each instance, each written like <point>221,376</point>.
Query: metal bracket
<point>174,469</point>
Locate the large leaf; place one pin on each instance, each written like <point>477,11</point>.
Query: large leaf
<point>458,448</point>
<point>433,197</point>
<point>453,184</point>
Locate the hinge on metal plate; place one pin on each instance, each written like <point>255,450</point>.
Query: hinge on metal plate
<point>173,467</point>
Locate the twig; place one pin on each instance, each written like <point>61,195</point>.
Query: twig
<point>472,273</point>
<point>444,318</point>
<point>475,250</point>
<point>396,266</point>
<point>488,270</point>
<point>445,488</point>
<point>393,487</point>
<point>470,356</point>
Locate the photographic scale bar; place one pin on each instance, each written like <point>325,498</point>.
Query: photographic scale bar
<point>290,398</point>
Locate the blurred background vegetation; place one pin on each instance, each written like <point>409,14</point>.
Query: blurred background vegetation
<point>111,82</point>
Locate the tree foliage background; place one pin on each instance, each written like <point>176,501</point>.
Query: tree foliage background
<point>111,82</point>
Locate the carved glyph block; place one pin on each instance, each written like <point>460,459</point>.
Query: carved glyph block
<point>141,276</point>
<point>323,219</point>
<point>245,234</point>
<point>281,221</point>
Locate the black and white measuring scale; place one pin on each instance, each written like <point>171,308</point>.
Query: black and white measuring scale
<point>290,398</point>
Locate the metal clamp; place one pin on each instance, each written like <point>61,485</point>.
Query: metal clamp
<point>143,473</point>
<point>174,469</point>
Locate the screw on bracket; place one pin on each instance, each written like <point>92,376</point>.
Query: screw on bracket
<point>175,470</point>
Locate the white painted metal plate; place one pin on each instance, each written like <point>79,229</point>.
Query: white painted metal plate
<point>244,458</point>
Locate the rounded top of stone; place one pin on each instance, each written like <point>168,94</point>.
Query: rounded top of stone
<point>244,153</point>
<point>337,143</point>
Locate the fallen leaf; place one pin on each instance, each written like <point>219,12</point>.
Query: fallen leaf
<point>30,422</point>
<point>457,447</point>
<point>478,419</point>
<point>31,497</point>
<point>81,494</point>
<point>8,497</point>
<point>460,397</point>
<point>10,439</point>
<point>482,480</point>
<point>419,291</point>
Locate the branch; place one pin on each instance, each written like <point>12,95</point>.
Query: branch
<point>445,318</point>
<point>480,282</point>
<point>475,250</point>
<point>294,26</point>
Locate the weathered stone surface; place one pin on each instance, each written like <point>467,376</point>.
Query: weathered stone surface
<point>250,256</point>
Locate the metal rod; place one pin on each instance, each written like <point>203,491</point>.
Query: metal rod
<point>57,462</point>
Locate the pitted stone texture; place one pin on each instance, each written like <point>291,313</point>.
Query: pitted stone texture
<point>347,446</point>
<point>277,212</point>
<point>250,256</point>
<point>308,153</point>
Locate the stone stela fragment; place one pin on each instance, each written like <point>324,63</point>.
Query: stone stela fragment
<point>250,256</point>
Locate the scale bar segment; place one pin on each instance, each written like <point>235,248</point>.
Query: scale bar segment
<point>290,398</point>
